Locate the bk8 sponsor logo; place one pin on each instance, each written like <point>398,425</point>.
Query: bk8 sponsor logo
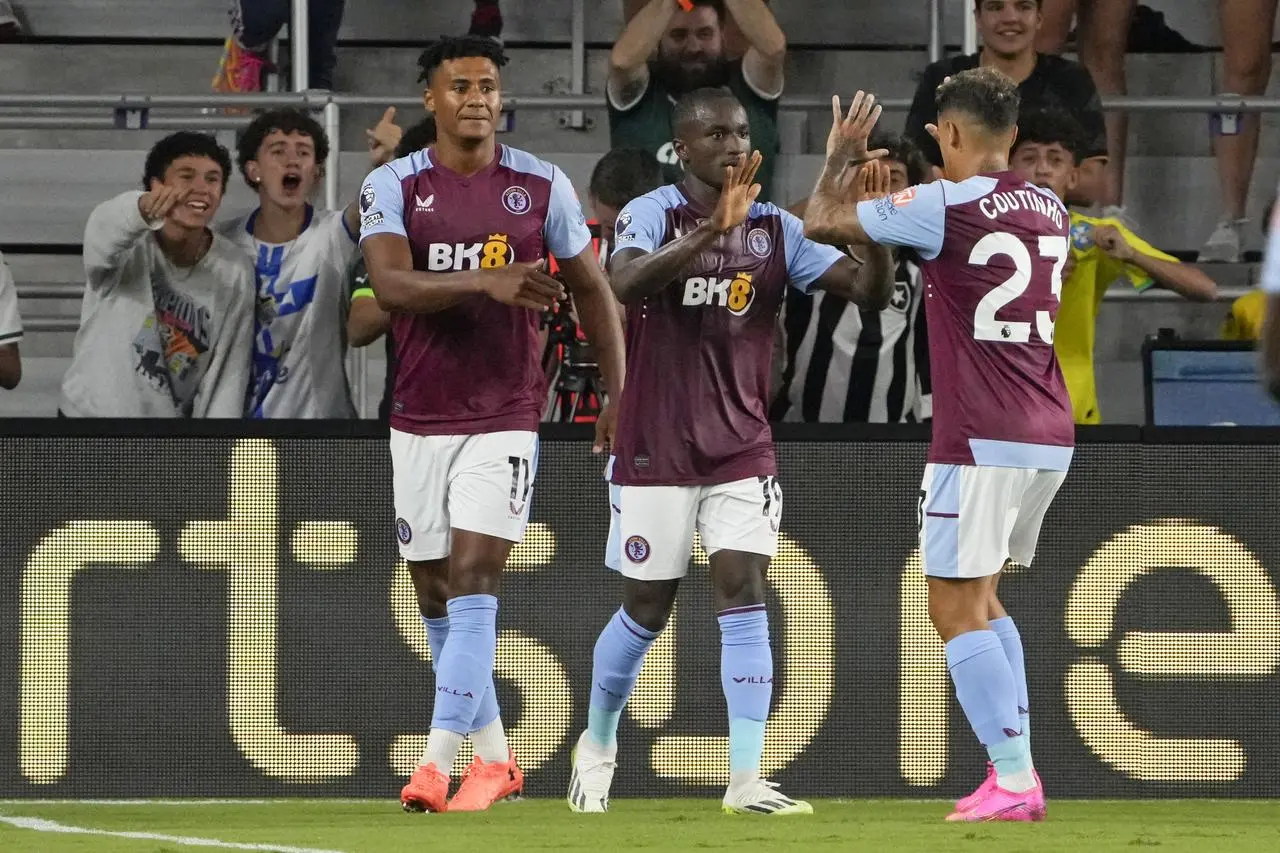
<point>493,253</point>
<point>736,294</point>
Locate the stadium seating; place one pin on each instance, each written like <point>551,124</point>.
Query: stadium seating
<point>53,178</point>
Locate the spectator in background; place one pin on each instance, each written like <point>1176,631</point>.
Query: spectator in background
<point>735,43</point>
<point>642,88</point>
<point>1247,29</point>
<point>851,364</point>
<point>1047,153</point>
<point>1247,318</point>
<point>1271,286</point>
<point>618,177</point>
<point>256,23</point>
<point>1102,34</point>
<point>486,20</point>
<point>301,259</point>
<point>166,328</point>
<point>10,330</point>
<point>366,322</point>
<point>1008,29</point>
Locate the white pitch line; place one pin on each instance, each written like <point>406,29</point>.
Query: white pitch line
<point>139,802</point>
<point>42,825</point>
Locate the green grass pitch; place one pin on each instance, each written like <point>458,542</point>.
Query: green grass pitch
<point>849,826</point>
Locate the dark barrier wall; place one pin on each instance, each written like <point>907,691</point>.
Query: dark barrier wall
<point>221,617</point>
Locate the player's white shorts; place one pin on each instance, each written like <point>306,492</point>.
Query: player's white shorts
<point>974,517</point>
<point>479,482</point>
<point>651,527</point>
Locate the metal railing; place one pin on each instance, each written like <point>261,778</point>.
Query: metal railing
<point>134,112</point>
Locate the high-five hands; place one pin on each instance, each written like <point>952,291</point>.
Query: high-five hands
<point>850,131</point>
<point>737,194</point>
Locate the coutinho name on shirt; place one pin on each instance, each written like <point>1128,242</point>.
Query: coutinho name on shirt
<point>993,248</point>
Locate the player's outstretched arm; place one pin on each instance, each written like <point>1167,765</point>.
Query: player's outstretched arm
<point>867,283</point>
<point>399,287</point>
<point>639,273</point>
<point>832,216</point>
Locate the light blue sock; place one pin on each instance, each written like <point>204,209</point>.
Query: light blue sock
<point>616,664</point>
<point>1011,642</point>
<point>746,674</point>
<point>985,688</point>
<point>437,632</point>
<point>465,670</point>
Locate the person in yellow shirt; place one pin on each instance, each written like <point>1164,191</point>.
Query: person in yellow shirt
<point>1248,313</point>
<point>1103,251</point>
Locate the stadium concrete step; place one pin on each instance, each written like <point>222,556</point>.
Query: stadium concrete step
<point>820,22</point>
<point>49,193</point>
<point>524,20</point>
<point>187,69</point>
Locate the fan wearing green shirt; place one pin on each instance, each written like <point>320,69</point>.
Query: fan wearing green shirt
<point>670,48</point>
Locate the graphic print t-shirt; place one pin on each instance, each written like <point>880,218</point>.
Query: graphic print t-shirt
<point>299,344</point>
<point>157,340</point>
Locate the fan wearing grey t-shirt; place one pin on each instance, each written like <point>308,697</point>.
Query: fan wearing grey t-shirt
<point>167,320</point>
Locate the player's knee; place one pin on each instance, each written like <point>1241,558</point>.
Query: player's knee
<point>649,603</point>
<point>431,586</point>
<point>473,574</point>
<point>739,582</point>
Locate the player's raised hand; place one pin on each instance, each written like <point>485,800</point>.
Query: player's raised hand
<point>524,285</point>
<point>157,203</point>
<point>850,131</point>
<point>384,138</point>
<point>737,194</point>
<point>606,428</point>
<point>871,182</point>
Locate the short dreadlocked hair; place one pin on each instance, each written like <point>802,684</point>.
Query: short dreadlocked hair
<point>458,47</point>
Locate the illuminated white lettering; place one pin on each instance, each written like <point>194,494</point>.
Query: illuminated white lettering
<point>44,680</point>
<point>246,545</point>
<point>1250,650</point>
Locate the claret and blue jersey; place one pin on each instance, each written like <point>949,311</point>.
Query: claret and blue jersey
<point>474,367</point>
<point>993,248</point>
<point>699,351</point>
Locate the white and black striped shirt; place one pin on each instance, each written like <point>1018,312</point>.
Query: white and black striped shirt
<point>846,364</point>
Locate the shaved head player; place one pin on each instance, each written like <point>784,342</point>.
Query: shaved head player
<point>702,268</point>
<point>456,238</point>
<point>992,249</point>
